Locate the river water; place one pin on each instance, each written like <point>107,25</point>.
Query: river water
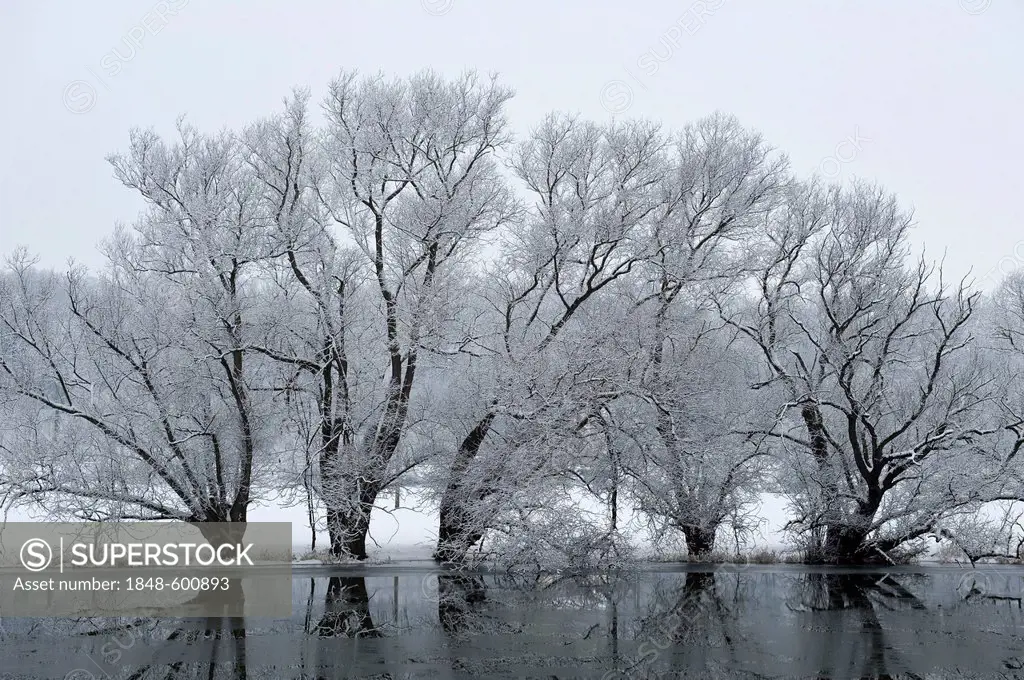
<point>664,621</point>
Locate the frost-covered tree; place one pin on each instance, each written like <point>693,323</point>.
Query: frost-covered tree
<point>322,303</point>
<point>597,192</point>
<point>882,402</point>
<point>377,215</point>
<point>149,402</point>
<point>996,528</point>
<point>679,440</point>
<point>619,209</point>
<point>693,470</point>
<point>1004,323</point>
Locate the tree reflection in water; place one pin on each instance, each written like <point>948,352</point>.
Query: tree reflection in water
<point>216,649</point>
<point>693,628</point>
<point>855,642</point>
<point>347,610</point>
<point>724,623</point>
<point>458,597</point>
<point>716,625</point>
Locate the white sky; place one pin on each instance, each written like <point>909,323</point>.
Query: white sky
<point>932,88</point>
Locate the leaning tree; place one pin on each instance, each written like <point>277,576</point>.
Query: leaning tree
<point>621,211</point>
<point>596,192</point>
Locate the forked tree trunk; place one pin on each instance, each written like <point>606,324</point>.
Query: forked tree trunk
<point>841,540</point>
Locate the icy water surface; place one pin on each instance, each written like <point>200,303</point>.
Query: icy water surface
<point>664,622</point>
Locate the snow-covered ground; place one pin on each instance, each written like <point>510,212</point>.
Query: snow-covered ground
<point>409,533</point>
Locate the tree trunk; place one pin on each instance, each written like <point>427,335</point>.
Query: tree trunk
<point>613,501</point>
<point>840,540</point>
<point>348,522</point>
<point>348,528</point>
<point>335,531</point>
<point>354,543</point>
<point>844,541</point>
<point>699,540</point>
<point>455,537</point>
<point>458,530</point>
<point>222,533</point>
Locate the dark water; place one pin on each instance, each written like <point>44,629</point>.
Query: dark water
<point>409,622</point>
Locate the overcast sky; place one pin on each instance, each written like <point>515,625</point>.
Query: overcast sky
<point>922,95</point>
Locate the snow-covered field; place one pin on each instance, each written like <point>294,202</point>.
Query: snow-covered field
<point>409,533</point>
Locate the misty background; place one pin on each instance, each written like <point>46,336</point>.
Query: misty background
<point>932,90</point>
